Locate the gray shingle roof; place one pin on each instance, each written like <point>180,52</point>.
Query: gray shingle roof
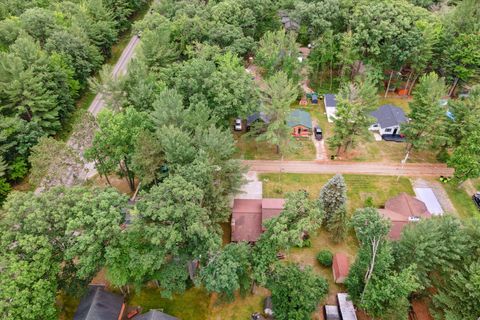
<point>299,117</point>
<point>99,304</point>
<point>389,116</point>
<point>330,100</point>
<point>155,315</point>
<point>257,116</point>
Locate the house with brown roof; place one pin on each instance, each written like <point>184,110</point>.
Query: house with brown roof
<point>401,210</point>
<point>248,216</point>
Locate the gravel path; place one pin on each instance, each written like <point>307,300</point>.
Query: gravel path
<point>321,152</point>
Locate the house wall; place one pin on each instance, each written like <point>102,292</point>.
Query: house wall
<point>387,130</point>
<point>331,112</point>
<point>301,131</point>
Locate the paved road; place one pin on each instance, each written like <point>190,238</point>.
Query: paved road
<point>120,68</point>
<point>332,167</point>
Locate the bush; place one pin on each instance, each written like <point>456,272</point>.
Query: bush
<point>325,258</point>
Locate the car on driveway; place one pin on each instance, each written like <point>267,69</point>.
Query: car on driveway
<point>476,199</point>
<point>317,131</point>
<point>393,137</point>
<point>238,125</point>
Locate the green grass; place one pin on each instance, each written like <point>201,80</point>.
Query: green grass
<point>191,305</point>
<point>81,107</point>
<point>359,187</point>
<point>462,201</point>
<point>249,149</point>
<point>396,101</point>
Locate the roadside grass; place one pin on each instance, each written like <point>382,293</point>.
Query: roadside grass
<point>359,187</point>
<point>193,304</point>
<point>462,201</point>
<point>249,149</point>
<point>81,107</point>
<point>386,151</point>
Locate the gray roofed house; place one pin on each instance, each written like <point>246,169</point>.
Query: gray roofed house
<point>288,23</point>
<point>330,106</point>
<point>251,119</point>
<point>154,315</point>
<point>389,119</point>
<point>99,304</point>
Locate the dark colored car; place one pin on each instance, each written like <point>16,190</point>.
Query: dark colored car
<point>476,199</point>
<point>317,131</point>
<point>393,137</point>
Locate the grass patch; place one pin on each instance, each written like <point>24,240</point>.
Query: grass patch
<point>241,308</point>
<point>193,304</point>
<point>81,107</point>
<point>396,101</point>
<point>359,187</point>
<point>249,149</point>
<point>462,201</point>
<point>387,151</point>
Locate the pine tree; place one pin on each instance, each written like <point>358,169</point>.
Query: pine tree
<point>337,225</point>
<point>333,197</point>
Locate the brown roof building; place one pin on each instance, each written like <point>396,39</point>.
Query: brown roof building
<point>340,267</point>
<point>248,216</point>
<point>402,210</point>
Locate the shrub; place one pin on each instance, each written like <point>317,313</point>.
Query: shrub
<point>325,258</point>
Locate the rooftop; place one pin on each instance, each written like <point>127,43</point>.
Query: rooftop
<point>389,116</point>
<point>330,100</point>
<point>299,117</point>
<point>99,304</point>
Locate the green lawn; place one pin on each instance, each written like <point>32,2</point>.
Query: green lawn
<point>191,305</point>
<point>359,187</point>
<point>462,201</point>
<point>396,101</point>
<point>249,149</point>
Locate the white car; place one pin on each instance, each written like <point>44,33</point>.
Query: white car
<point>238,124</point>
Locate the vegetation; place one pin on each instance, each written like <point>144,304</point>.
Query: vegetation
<point>325,258</point>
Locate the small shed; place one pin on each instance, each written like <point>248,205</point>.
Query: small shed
<point>330,102</point>
<point>99,304</point>
<point>331,312</point>
<point>268,306</point>
<point>347,310</point>
<point>300,122</point>
<point>340,267</point>
<point>155,315</point>
<point>314,98</point>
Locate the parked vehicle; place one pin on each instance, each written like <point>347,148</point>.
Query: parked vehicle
<point>393,137</point>
<point>238,125</point>
<point>476,199</point>
<point>317,131</point>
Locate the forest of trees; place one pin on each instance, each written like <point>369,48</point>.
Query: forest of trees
<point>166,126</point>
<point>48,50</point>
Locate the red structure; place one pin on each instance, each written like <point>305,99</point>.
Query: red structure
<point>340,267</point>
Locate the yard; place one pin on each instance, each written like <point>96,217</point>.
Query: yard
<point>250,149</point>
<point>359,187</point>
<point>462,200</point>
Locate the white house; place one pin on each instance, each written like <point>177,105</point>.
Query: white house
<point>330,106</point>
<point>388,119</point>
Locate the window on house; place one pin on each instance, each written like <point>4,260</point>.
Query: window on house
<point>388,130</point>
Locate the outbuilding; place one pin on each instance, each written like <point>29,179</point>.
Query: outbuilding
<point>300,122</point>
<point>388,119</point>
<point>340,267</point>
<point>314,98</point>
<point>257,117</point>
<point>347,310</point>
<point>331,312</point>
<point>330,103</point>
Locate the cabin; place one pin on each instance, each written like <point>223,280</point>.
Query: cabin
<point>330,102</point>
<point>300,122</point>
<point>388,119</point>
<point>99,304</point>
<point>256,118</point>
<point>154,315</point>
<point>248,216</point>
<point>340,267</point>
<point>402,210</point>
<point>314,98</point>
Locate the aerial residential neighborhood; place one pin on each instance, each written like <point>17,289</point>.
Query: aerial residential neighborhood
<point>240,160</point>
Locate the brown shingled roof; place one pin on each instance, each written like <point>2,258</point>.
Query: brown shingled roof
<point>248,216</point>
<point>340,267</point>
<point>407,206</point>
